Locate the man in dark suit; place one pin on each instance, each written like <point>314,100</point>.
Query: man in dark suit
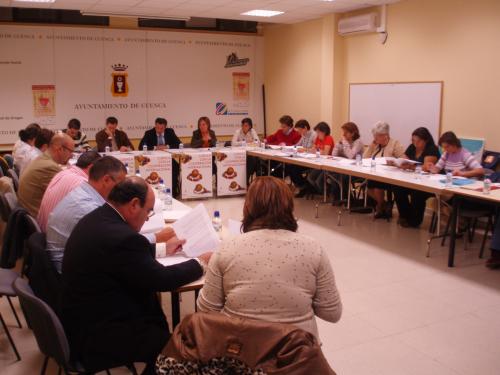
<point>110,309</point>
<point>160,137</point>
<point>115,139</point>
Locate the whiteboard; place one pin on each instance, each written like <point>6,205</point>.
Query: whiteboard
<point>404,106</point>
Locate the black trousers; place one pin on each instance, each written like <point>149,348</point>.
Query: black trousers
<point>296,174</point>
<point>411,204</point>
<point>121,343</point>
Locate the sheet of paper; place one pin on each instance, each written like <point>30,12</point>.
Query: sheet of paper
<point>234,227</point>
<point>196,228</point>
<point>172,259</point>
<point>368,162</point>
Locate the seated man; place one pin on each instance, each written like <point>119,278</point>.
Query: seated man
<point>64,182</point>
<point>286,135</point>
<point>110,307</point>
<point>41,145</point>
<point>80,138</point>
<point>160,137</point>
<point>116,140</point>
<point>38,174</point>
<point>103,176</point>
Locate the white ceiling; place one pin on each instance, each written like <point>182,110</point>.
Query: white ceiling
<point>294,10</point>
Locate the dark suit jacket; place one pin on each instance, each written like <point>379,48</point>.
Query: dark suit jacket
<point>121,137</point>
<point>110,278</point>
<point>197,141</point>
<point>151,140</point>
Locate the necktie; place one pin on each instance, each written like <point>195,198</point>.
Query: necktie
<point>161,140</point>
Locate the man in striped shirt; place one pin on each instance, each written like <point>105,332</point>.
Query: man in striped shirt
<point>64,182</point>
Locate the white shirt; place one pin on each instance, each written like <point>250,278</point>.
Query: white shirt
<point>250,137</point>
<point>23,154</point>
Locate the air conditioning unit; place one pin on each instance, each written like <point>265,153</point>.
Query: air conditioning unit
<point>365,23</point>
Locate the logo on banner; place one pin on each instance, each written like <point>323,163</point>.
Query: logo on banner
<point>232,60</point>
<point>119,85</point>
<point>44,100</point>
<point>222,110</point>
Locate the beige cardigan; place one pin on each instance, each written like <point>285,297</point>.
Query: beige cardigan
<point>392,149</point>
<point>272,275</point>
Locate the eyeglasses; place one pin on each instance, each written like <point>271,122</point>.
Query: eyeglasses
<point>151,214</point>
<point>67,149</point>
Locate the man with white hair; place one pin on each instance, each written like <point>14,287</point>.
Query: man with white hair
<point>382,146</point>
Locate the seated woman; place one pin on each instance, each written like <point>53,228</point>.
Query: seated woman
<point>24,146</point>
<point>270,272</point>
<point>245,134</point>
<point>382,146</point>
<point>323,143</point>
<point>203,137</point>
<point>455,158</point>
<point>348,147</point>
<point>411,203</point>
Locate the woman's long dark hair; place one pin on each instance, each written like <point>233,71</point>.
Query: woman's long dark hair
<point>425,135</point>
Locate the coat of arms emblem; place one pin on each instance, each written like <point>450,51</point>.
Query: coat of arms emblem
<point>119,85</point>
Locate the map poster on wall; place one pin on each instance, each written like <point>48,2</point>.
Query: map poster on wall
<point>44,100</point>
<point>154,167</point>
<point>196,174</point>
<point>231,172</point>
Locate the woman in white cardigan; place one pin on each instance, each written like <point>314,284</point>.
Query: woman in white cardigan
<point>270,272</point>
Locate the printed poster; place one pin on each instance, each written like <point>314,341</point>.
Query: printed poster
<point>44,100</point>
<point>127,158</point>
<point>154,166</point>
<point>196,174</point>
<point>231,172</point>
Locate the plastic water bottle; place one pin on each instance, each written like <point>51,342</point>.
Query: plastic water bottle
<point>294,154</point>
<point>145,149</point>
<point>244,144</point>
<point>107,149</point>
<point>130,170</point>
<point>359,160</point>
<point>161,191</point>
<point>264,143</point>
<point>216,221</point>
<point>373,164</point>
<point>418,172</point>
<point>318,153</point>
<point>486,185</point>
<point>181,146</point>
<point>167,199</point>
<point>449,179</point>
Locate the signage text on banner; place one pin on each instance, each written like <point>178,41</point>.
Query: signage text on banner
<point>154,167</point>
<point>196,174</point>
<point>231,172</point>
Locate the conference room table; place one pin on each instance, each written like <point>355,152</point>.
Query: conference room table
<point>429,183</point>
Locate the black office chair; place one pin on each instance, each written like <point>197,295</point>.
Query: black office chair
<point>15,178</point>
<point>7,277</point>
<point>48,330</point>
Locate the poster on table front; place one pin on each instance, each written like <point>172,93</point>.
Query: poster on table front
<point>154,167</point>
<point>127,158</point>
<point>231,172</point>
<point>196,174</point>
